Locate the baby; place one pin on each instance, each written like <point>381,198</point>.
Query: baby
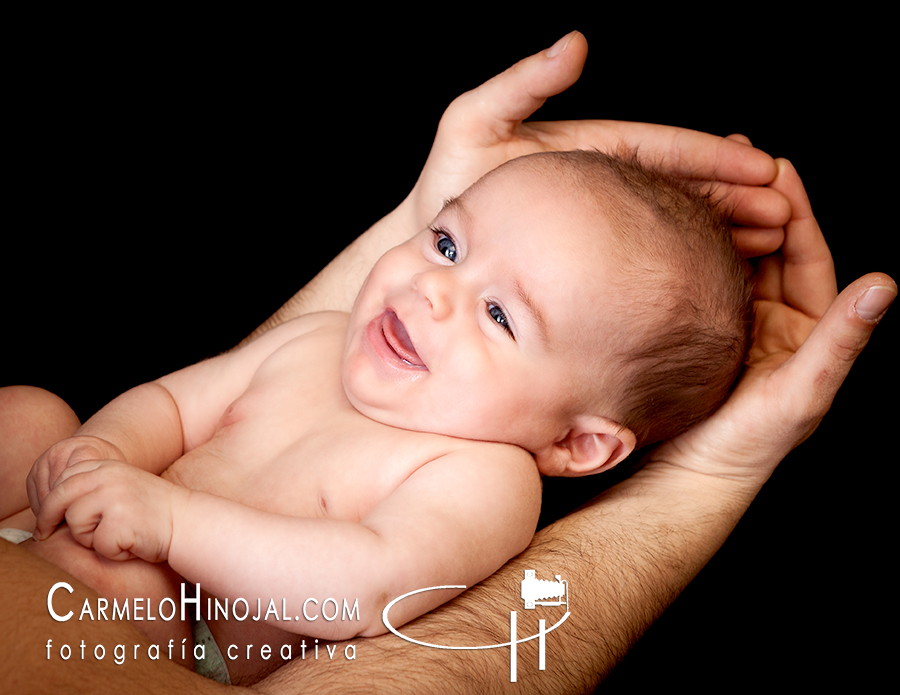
<point>562,311</point>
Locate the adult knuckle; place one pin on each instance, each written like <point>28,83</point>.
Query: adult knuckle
<point>846,348</point>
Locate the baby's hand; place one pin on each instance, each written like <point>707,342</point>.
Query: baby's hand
<point>118,510</point>
<point>49,466</point>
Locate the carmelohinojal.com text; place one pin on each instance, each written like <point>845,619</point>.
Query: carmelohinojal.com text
<point>138,609</point>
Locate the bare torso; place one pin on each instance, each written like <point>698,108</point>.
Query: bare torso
<point>291,444</point>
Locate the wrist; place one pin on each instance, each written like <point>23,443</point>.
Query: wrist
<point>90,446</point>
<point>696,510</point>
<point>697,490</point>
<point>181,524</point>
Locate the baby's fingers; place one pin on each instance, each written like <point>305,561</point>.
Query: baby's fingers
<point>37,485</point>
<point>92,524</point>
<point>71,484</point>
<point>41,478</point>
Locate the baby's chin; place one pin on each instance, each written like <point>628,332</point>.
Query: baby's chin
<point>379,412</point>
<point>400,417</point>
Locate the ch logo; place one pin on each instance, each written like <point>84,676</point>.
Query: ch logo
<point>534,592</point>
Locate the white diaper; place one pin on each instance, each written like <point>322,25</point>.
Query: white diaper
<point>213,666</point>
<point>15,535</point>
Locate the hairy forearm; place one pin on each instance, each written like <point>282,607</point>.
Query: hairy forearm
<point>623,558</point>
<point>625,562</point>
<point>335,287</point>
<point>26,666</point>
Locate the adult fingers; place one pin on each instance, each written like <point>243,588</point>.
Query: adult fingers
<point>816,371</point>
<point>767,282</point>
<point>808,280</point>
<point>753,206</point>
<point>754,242</point>
<point>685,152</point>
<point>512,96</point>
<point>738,137</point>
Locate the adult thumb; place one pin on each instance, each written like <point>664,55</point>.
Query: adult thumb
<point>516,93</point>
<point>820,366</point>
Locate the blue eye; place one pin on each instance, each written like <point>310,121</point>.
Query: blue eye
<point>445,245</point>
<point>497,314</point>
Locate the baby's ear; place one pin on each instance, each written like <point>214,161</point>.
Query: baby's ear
<point>594,445</point>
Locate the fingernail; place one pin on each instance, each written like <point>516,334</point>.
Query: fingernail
<point>872,305</point>
<point>560,45</point>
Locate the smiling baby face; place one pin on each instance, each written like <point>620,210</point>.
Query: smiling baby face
<point>490,324</point>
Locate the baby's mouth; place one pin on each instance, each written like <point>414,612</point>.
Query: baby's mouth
<point>399,341</point>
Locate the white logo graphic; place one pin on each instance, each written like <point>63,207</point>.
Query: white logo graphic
<point>534,589</point>
<point>533,592</point>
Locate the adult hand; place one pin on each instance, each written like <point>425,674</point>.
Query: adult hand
<point>806,339</point>
<point>485,127</point>
<point>634,548</point>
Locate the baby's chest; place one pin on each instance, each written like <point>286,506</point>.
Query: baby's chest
<point>303,452</point>
<point>336,471</point>
<point>293,444</point>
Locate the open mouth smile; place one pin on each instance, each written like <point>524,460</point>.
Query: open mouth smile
<point>391,340</point>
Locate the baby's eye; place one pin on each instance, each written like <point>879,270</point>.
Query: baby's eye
<point>497,314</point>
<point>445,245</point>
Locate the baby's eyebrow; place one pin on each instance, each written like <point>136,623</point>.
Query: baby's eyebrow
<point>532,307</point>
<point>457,206</point>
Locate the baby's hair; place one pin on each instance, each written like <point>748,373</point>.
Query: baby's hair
<point>687,326</point>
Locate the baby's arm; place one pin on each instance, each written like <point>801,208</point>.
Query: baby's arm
<point>455,521</point>
<point>141,427</point>
<point>152,425</point>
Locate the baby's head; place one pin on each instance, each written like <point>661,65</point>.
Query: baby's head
<point>574,304</point>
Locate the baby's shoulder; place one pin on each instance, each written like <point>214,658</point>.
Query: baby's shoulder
<point>490,485</point>
<point>317,322</point>
<point>290,344</point>
<point>491,464</point>
<point>507,454</point>
<point>323,324</point>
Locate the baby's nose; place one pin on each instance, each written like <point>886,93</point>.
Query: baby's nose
<point>436,288</point>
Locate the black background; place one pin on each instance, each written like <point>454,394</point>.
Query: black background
<point>171,182</point>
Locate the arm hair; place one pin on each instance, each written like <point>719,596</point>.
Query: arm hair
<point>625,563</point>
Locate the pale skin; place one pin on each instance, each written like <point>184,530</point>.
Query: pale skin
<point>469,329</point>
<point>243,439</point>
<point>628,537</point>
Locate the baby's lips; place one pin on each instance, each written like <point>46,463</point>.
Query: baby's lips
<point>398,338</point>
